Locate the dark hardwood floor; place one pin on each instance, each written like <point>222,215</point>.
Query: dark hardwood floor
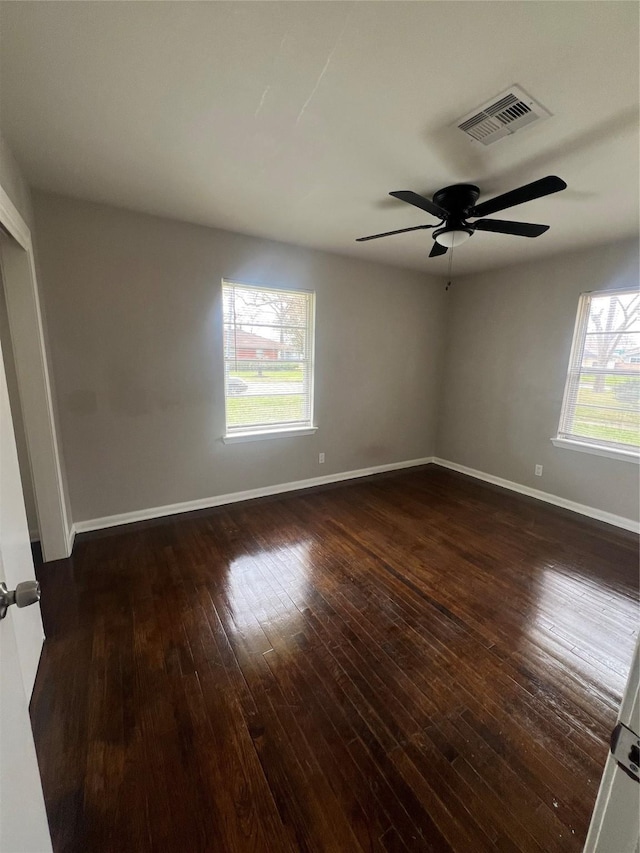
<point>417,661</point>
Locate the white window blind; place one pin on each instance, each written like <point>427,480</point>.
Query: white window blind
<point>602,396</point>
<point>268,358</point>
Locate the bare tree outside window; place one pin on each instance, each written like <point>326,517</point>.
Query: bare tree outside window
<point>612,317</point>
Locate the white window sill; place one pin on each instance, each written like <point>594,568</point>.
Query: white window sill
<point>238,437</point>
<point>597,450</point>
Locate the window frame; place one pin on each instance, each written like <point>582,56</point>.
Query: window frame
<point>281,430</point>
<point>568,440</point>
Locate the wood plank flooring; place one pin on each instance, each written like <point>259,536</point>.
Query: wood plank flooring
<point>417,661</point>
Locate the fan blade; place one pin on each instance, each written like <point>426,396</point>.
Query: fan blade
<point>421,202</point>
<point>520,229</point>
<point>545,186</point>
<point>437,249</point>
<point>388,233</point>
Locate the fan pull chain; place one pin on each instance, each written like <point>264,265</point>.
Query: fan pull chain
<point>450,266</point>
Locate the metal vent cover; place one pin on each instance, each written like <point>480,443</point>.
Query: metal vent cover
<point>502,116</point>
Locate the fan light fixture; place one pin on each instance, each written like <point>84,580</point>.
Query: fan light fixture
<point>455,204</point>
<point>455,237</point>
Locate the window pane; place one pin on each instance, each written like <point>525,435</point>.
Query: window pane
<point>609,390</point>
<point>266,410</point>
<point>268,345</point>
<point>609,311</point>
<point>602,396</point>
<point>610,349</point>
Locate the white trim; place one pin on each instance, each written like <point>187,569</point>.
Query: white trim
<point>310,326</point>
<point>25,322</point>
<point>237,437</point>
<point>13,222</point>
<point>34,537</point>
<point>71,538</point>
<point>614,821</point>
<point>597,449</point>
<point>589,511</point>
<point>234,497</point>
<point>281,488</point>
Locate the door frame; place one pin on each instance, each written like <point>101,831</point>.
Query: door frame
<point>614,820</point>
<point>29,350</point>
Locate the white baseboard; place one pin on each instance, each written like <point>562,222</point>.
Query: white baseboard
<point>582,509</point>
<point>235,497</point>
<point>281,488</point>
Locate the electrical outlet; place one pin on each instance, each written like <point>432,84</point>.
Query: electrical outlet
<point>321,458</point>
<point>538,470</point>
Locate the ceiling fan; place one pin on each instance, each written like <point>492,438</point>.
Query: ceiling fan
<point>453,205</point>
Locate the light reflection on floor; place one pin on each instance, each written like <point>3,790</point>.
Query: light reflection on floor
<point>566,603</point>
<point>257,604</point>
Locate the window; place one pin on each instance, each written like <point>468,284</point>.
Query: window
<point>601,407</point>
<point>268,360</point>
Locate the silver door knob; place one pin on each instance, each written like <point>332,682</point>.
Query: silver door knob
<point>23,595</point>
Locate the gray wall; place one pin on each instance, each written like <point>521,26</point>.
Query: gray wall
<point>133,306</point>
<point>508,338</point>
<point>134,313</point>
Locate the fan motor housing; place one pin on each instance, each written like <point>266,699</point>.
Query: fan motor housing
<point>457,199</point>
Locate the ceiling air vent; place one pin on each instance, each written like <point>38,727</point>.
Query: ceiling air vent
<point>502,116</point>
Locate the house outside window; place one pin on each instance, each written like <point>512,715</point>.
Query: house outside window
<point>268,360</point>
<point>601,406</point>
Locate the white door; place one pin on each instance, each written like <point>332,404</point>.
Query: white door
<point>23,820</point>
<point>615,824</point>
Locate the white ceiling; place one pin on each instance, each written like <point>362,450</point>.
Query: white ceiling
<point>294,120</point>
